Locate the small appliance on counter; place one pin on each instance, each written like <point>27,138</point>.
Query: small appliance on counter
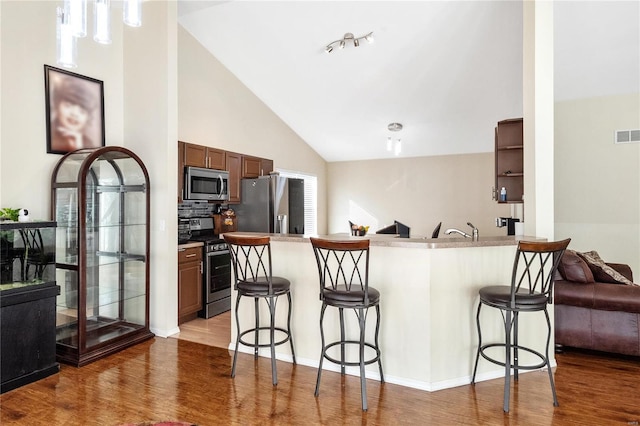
<point>509,222</point>
<point>184,231</point>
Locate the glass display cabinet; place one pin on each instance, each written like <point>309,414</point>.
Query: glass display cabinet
<point>100,200</point>
<point>28,293</point>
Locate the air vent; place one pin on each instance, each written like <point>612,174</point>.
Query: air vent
<point>627,136</point>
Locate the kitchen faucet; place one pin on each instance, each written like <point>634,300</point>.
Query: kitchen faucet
<point>474,232</point>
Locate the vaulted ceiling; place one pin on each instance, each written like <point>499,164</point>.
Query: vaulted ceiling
<point>446,70</point>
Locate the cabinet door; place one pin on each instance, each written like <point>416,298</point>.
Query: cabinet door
<point>216,159</point>
<point>251,166</point>
<point>195,155</point>
<point>266,166</point>
<point>234,167</point>
<point>189,288</point>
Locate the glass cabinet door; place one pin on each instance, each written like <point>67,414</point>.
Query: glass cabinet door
<point>102,257</point>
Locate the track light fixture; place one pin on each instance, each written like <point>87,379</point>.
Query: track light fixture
<point>394,145</point>
<point>348,37</point>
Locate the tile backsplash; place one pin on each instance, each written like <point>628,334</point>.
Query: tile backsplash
<point>189,209</point>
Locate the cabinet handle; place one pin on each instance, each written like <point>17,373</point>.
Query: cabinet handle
<point>182,249</point>
<point>191,255</point>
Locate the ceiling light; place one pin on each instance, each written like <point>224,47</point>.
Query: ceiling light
<point>65,41</point>
<point>348,37</point>
<point>395,145</point>
<point>102,21</point>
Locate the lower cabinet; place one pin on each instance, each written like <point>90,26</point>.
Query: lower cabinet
<point>189,283</point>
<point>28,331</point>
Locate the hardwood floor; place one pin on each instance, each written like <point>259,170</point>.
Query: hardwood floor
<point>176,379</point>
<point>215,331</point>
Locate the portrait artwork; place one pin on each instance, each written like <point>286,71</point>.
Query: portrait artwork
<point>74,111</point>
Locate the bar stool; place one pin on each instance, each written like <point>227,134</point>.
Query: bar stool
<point>251,261</point>
<point>531,290</point>
<point>343,268</point>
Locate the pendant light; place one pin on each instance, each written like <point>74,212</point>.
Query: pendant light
<point>66,44</point>
<point>132,13</point>
<point>102,21</point>
<point>77,11</point>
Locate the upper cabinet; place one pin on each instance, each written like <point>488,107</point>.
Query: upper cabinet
<point>239,166</point>
<point>203,156</point>
<point>234,167</point>
<point>509,160</point>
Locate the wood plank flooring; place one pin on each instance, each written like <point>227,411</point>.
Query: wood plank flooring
<point>177,379</point>
<point>215,331</point>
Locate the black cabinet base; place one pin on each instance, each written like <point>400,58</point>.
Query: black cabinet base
<point>29,378</point>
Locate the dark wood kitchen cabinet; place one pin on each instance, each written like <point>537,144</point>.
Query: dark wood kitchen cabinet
<point>189,283</point>
<point>28,294</point>
<point>253,167</point>
<point>509,160</point>
<point>100,200</point>
<point>203,156</point>
<point>234,167</point>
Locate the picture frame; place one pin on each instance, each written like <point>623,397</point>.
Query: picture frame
<point>74,111</point>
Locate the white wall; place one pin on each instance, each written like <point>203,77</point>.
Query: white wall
<point>144,120</point>
<point>597,185</point>
<point>419,192</point>
<point>151,121</point>
<point>216,109</point>
<point>27,42</point>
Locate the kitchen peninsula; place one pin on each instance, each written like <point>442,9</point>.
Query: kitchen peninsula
<point>429,295</point>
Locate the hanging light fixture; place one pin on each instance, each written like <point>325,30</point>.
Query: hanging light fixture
<point>77,11</point>
<point>132,13</point>
<point>348,38</point>
<point>65,41</point>
<point>72,24</point>
<point>394,144</point>
<point>102,21</point>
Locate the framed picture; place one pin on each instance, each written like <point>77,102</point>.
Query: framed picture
<point>74,111</point>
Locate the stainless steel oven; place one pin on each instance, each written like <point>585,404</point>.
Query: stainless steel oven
<point>216,280</point>
<point>216,277</point>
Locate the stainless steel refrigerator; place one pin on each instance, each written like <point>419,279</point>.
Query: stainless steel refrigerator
<point>272,204</point>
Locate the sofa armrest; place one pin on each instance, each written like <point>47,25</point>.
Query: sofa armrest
<point>622,268</point>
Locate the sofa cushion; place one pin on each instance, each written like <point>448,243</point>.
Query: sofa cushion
<point>574,294</point>
<point>573,268</point>
<point>601,271</point>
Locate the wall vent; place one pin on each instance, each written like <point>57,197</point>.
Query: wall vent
<point>627,136</point>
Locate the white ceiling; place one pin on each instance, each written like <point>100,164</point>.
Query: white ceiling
<point>448,71</point>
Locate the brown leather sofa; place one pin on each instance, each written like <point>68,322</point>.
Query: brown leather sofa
<point>594,312</point>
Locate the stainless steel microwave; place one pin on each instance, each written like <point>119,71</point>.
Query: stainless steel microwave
<point>205,184</point>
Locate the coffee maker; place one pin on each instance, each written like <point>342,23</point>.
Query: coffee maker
<point>509,222</point>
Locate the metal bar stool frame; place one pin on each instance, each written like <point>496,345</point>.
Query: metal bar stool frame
<point>251,262</point>
<point>531,290</point>
<point>346,286</point>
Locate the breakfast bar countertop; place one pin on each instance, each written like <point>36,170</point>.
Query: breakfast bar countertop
<point>386,240</point>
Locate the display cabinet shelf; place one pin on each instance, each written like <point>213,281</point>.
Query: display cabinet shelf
<point>102,255</point>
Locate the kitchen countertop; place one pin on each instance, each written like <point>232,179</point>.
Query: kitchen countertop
<point>386,240</point>
<point>190,244</point>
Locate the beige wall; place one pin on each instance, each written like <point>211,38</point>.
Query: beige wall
<point>597,185</point>
<point>216,109</point>
<point>27,42</point>
<point>419,192</point>
<point>144,121</point>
